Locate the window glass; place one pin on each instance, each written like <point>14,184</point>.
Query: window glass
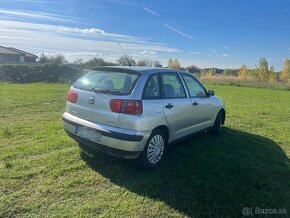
<point>172,86</point>
<point>118,82</point>
<point>194,88</point>
<point>151,89</point>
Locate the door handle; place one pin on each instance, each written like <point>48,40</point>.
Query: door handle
<point>195,103</point>
<point>169,106</point>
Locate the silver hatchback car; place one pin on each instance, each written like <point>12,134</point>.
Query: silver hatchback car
<point>135,112</point>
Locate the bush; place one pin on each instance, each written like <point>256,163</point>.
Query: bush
<point>38,73</point>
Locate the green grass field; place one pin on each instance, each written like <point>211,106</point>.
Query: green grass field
<point>44,173</point>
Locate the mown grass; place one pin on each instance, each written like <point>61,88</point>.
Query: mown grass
<point>44,173</point>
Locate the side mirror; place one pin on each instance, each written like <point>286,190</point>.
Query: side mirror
<point>211,92</point>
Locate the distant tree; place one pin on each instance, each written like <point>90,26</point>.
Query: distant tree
<point>170,63</point>
<point>145,62</point>
<point>126,60</point>
<point>254,73</point>
<point>193,69</point>
<point>285,74</point>
<point>244,72</point>
<point>142,62</point>
<point>263,69</point>
<point>227,72</point>
<point>211,72</point>
<point>157,63</point>
<point>174,64</point>
<point>95,62</point>
<point>42,59</point>
<point>53,59</point>
<point>149,63</point>
<point>58,59</point>
<point>208,72</point>
<point>272,75</point>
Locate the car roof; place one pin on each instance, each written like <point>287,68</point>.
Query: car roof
<point>141,70</point>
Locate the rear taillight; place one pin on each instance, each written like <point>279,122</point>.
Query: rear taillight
<point>133,107</point>
<point>116,105</point>
<point>72,96</point>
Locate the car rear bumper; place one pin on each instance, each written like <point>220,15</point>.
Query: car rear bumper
<point>108,136</point>
<point>105,149</point>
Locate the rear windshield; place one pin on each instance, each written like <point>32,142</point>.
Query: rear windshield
<point>108,82</point>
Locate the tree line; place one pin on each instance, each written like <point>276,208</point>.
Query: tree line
<point>98,61</point>
<point>261,72</point>
<point>264,73</point>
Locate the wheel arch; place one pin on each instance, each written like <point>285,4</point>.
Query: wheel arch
<point>164,129</point>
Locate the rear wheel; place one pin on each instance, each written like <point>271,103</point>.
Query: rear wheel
<point>153,152</point>
<point>217,124</point>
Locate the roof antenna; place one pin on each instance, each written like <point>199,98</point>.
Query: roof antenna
<point>129,63</point>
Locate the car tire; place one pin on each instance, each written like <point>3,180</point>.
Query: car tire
<point>154,150</point>
<point>217,124</point>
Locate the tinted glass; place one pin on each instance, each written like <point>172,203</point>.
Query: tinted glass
<point>172,86</point>
<point>152,89</point>
<point>194,88</point>
<point>118,82</point>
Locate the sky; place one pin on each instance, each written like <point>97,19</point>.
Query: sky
<point>205,33</point>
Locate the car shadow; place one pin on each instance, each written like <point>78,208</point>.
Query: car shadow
<point>206,175</point>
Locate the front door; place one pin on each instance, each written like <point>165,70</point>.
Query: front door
<point>177,107</point>
<point>203,108</point>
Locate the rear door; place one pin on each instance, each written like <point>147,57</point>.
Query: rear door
<point>177,107</point>
<point>95,90</point>
<point>203,108</point>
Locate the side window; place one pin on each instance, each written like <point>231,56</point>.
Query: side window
<point>172,86</point>
<point>194,88</point>
<point>152,90</point>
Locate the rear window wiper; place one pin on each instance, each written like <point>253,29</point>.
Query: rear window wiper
<point>107,91</point>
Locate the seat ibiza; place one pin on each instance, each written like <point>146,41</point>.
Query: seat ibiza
<point>135,112</point>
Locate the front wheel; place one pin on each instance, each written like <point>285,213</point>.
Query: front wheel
<point>153,152</point>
